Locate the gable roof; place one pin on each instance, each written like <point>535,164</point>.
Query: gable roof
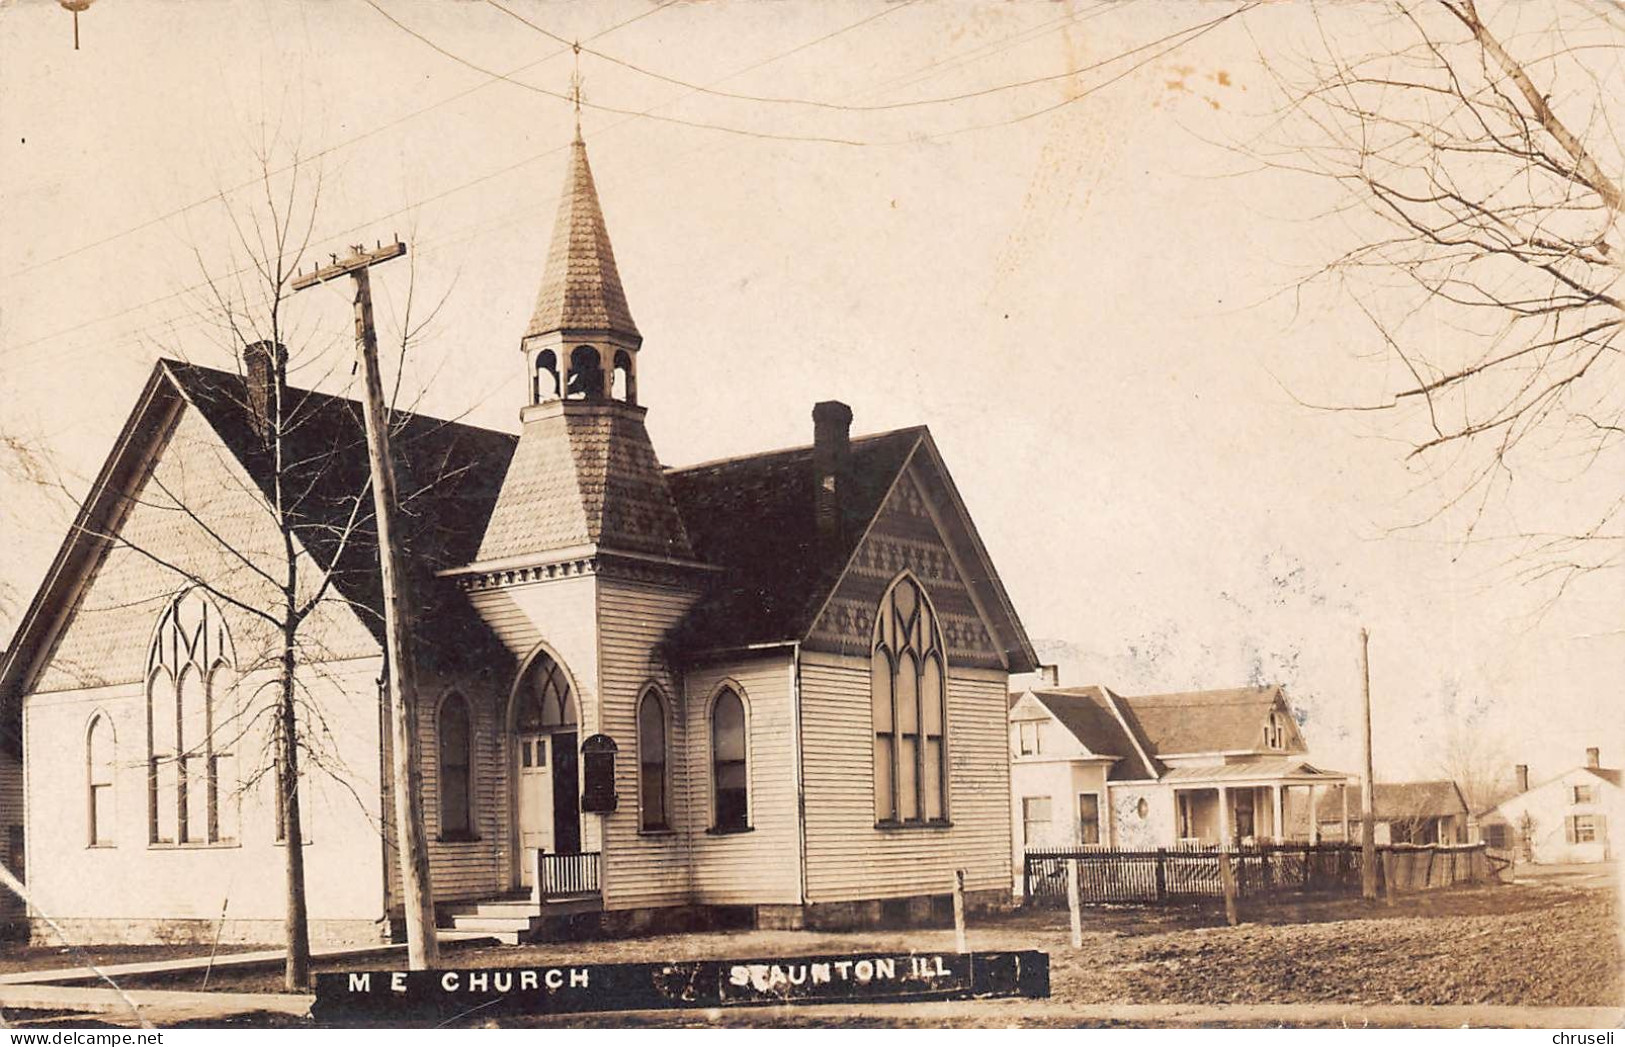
<point>581,287</point>
<point>1087,713</point>
<point>755,517</point>
<point>1201,721</point>
<point>446,472</point>
<point>1398,800</point>
<point>1607,774</point>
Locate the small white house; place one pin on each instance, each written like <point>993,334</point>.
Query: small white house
<point>1564,820</point>
<point>1090,767</point>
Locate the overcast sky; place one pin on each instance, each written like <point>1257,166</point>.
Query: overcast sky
<point>1070,282</point>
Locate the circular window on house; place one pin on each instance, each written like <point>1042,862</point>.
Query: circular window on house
<point>1142,808</point>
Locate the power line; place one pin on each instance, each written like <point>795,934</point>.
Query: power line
<point>336,147</point>
<point>645,114</point>
<point>810,102</point>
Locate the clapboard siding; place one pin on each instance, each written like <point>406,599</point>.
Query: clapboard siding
<point>641,869</point>
<point>11,827</point>
<point>848,858</point>
<point>244,880</point>
<point>478,867</point>
<point>762,866</point>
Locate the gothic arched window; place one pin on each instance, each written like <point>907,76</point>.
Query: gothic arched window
<point>455,736</point>
<point>730,772</point>
<point>100,746</point>
<point>189,726</point>
<point>652,762</point>
<point>908,693</point>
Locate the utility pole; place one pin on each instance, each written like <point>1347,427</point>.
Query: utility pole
<point>1368,835</point>
<point>422,948</point>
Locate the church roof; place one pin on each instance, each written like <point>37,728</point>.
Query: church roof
<point>581,289</point>
<point>585,475</point>
<point>754,516</point>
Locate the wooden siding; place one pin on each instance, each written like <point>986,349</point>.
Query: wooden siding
<point>11,828</point>
<point>848,858</point>
<point>478,867</point>
<point>762,866</point>
<point>131,879</point>
<point>642,869</point>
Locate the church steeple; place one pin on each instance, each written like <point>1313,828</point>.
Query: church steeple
<point>581,342</point>
<point>584,474</point>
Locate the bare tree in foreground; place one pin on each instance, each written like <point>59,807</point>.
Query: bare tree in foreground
<point>1478,154</point>
<point>318,549</point>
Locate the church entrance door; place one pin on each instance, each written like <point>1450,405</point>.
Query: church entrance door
<point>546,811</point>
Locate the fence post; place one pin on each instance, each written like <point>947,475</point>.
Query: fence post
<point>1308,868</point>
<point>959,910</point>
<point>1162,873</point>
<point>1388,875</point>
<point>1227,884</point>
<point>1072,902</point>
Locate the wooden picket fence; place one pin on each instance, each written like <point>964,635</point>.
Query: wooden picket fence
<point>1191,873</point>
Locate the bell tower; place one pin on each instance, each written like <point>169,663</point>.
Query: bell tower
<point>581,343</point>
<point>584,478</point>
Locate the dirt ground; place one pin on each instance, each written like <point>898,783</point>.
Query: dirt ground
<point>1527,945</point>
<point>20,956</point>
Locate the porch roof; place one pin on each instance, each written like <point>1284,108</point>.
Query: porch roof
<point>1282,769</point>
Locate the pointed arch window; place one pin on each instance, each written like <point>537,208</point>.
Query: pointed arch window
<point>908,696</point>
<point>191,765</point>
<point>652,805</point>
<point>730,773</point>
<point>100,747</point>
<point>455,735</point>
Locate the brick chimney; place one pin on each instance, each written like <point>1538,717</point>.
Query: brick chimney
<point>1050,675</point>
<point>1521,773</point>
<point>1593,757</point>
<point>262,364</point>
<point>832,466</point>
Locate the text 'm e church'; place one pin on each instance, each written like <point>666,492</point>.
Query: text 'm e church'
<point>773,685</point>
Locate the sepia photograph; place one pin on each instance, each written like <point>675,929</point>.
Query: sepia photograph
<point>786,514</point>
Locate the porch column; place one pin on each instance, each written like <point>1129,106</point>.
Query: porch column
<point>1280,813</point>
<point>1343,790</point>
<point>1314,817</point>
<point>1226,828</point>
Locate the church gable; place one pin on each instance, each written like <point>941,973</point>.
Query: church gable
<point>905,535</point>
<point>157,545</point>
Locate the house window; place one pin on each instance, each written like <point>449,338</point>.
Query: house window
<point>456,769</point>
<point>99,760</point>
<point>1035,821</point>
<point>908,692</point>
<point>1030,743</point>
<point>730,804</point>
<point>1583,794</point>
<point>652,762</point>
<point>1495,836</point>
<point>1582,828</point>
<point>1275,732</point>
<point>1088,818</point>
<point>191,769</point>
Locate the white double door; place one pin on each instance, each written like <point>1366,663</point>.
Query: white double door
<point>548,796</point>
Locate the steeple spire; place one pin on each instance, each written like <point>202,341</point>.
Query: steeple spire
<point>581,288</point>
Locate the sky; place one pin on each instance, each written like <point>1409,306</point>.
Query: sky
<point>1079,284</point>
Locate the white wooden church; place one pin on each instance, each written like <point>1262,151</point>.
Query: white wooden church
<point>769,689</point>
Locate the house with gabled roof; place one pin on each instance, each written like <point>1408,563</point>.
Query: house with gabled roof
<point>1566,819</point>
<point>1422,812</point>
<point>773,685</point>
<point>1091,767</point>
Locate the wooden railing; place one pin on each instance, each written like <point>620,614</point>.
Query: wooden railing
<point>563,875</point>
<point>1192,873</point>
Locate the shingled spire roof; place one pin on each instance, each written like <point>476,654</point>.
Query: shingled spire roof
<point>581,290</point>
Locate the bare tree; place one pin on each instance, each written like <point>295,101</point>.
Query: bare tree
<point>1478,160</point>
<point>303,480</point>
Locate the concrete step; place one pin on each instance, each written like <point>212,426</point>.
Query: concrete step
<point>515,909</point>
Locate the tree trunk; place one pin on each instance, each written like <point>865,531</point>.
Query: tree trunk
<point>296,973</point>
